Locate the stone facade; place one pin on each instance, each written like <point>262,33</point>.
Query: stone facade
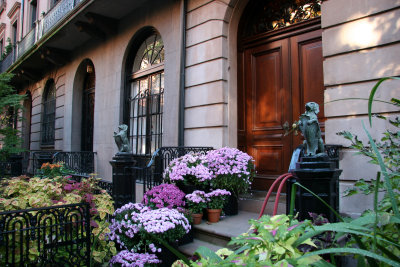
<point>360,45</point>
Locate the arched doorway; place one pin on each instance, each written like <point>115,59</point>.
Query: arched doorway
<point>279,70</point>
<point>83,104</point>
<point>88,101</point>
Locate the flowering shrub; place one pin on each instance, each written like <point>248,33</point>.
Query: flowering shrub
<point>217,198</point>
<point>24,193</point>
<point>164,195</point>
<point>52,170</point>
<point>130,258</point>
<point>233,169</point>
<point>190,169</point>
<point>196,201</point>
<point>136,227</point>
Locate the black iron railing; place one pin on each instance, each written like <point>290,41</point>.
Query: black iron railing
<point>51,236</point>
<point>151,174</point>
<point>80,162</point>
<point>12,166</point>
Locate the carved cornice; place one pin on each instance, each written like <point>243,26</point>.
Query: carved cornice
<point>13,10</point>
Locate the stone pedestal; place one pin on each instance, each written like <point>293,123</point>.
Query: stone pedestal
<point>320,175</point>
<point>124,184</point>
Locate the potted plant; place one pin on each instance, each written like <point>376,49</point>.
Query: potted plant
<point>164,196</point>
<point>196,202</point>
<point>140,229</point>
<point>233,170</point>
<point>216,200</point>
<point>189,172</point>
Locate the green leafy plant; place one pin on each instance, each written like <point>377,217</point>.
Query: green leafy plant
<point>374,236</point>
<point>10,104</point>
<point>7,49</point>
<point>269,242</point>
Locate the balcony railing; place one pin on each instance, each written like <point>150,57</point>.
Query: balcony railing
<point>58,12</point>
<point>7,61</point>
<point>48,22</point>
<point>27,42</point>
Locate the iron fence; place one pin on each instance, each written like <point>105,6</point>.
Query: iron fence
<point>50,236</point>
<point>80,162</point>
<point>11,167</point>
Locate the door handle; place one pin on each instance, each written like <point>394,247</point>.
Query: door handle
<point>286,126</point>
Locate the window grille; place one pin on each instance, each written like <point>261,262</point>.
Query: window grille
<point>49,115</point>
<point>146,97</point>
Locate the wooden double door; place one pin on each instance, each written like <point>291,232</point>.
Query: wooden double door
<point>277,76</point>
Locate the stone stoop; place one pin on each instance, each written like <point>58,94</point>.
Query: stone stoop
<point>218,235</point>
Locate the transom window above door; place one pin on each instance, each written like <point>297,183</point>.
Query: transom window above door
<point>270,15</point>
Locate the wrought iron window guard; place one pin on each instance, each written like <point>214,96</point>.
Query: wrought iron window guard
<point>50,230</point>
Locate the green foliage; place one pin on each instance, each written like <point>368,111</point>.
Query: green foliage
<point>10,104</point>
<point>270,241</point>
<point>377,235</point>
<point>7,49</point>
<point>24,192</point>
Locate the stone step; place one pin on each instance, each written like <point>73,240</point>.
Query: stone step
<point>218,235</point>
<point>253,202</point>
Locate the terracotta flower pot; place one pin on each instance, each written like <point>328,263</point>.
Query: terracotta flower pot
<point>213,215</point>
<point>197,217</point>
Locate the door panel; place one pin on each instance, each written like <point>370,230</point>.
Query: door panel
<point>307,76</point>
<point>267,91</point>
<point>279,77</point>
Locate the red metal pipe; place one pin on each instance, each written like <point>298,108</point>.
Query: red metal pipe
<point>270,191</point>
<point>278,193</point>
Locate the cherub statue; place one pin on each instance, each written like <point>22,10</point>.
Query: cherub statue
<point>309,127</point>
<point>121,139</point>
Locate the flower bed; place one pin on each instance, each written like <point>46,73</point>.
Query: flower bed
<point>24,193</point>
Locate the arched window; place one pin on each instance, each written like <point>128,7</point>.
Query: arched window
<point>49,114</point>
<point>146,96</point>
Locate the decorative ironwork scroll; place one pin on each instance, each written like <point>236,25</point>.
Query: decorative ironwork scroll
<point>269,15</point>
<point>51,236</point>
